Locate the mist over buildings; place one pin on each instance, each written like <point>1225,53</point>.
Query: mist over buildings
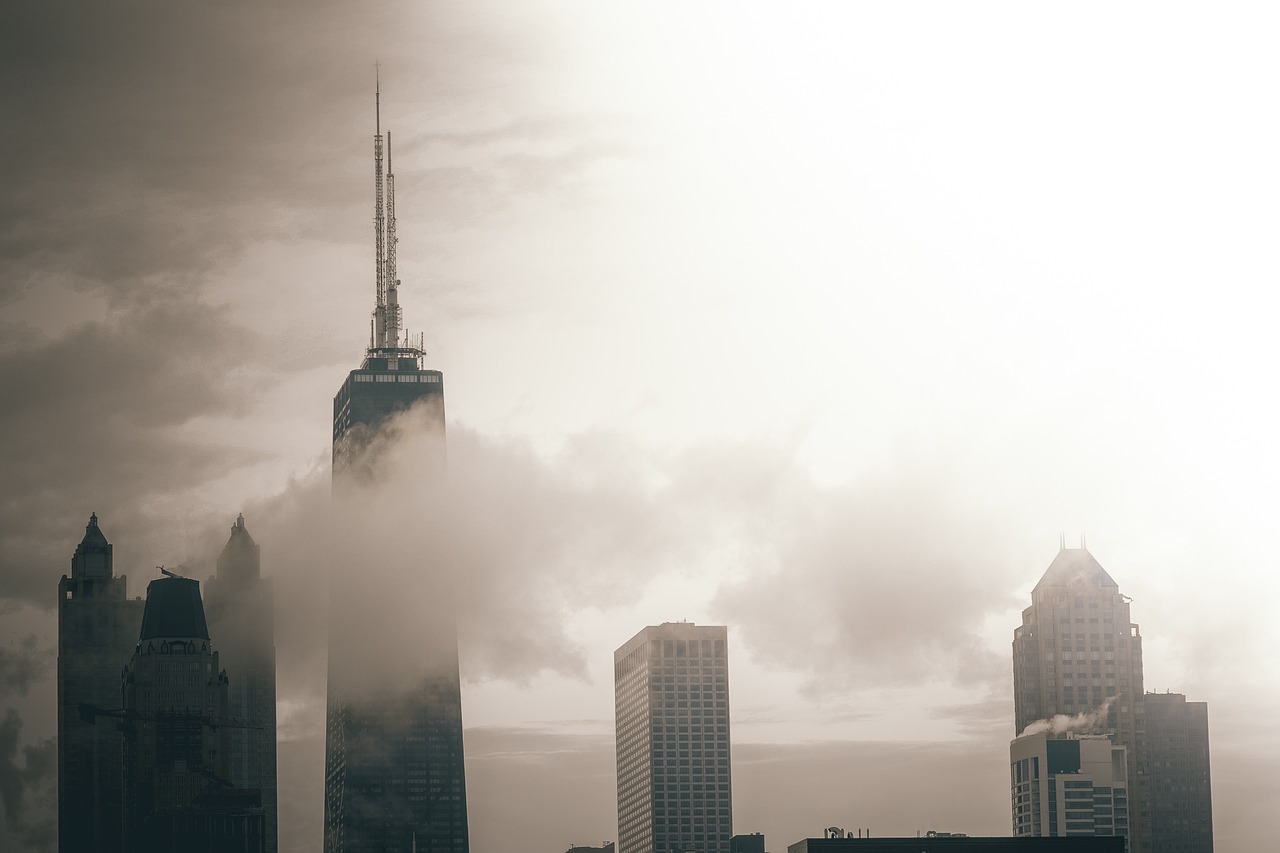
<point>821,327</point>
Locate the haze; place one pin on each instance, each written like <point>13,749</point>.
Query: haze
<point>821,323</point>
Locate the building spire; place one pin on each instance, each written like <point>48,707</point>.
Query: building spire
<point>379,338</point>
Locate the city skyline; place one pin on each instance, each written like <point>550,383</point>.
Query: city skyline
<point>837,315</point>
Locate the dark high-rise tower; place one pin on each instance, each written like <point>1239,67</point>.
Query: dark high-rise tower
<point>97,630</point>
<point>394,777</point>
<point>242,619</point>
<point>671,693</point>
<point>1077,652</point>
<point>1178,755</point>
<point>177,732</point>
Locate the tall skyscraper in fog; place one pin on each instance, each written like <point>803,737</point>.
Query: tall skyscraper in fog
<point>1078,651</point>
<point>1178,755</point>
<point>97,630</point>
<point>394,778</point>
<point>671,694</point>
<point>242,620</point>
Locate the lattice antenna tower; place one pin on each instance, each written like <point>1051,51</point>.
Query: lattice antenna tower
<point>378,337</point>
<point>390,281</point>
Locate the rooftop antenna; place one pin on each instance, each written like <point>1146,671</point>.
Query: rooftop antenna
<point>390,282</point>
<point>379,338</point>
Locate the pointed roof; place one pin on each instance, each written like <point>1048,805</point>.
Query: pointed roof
<point>93,535</point>
<point>1075,567</point>
<point>174,609</point>
<point>241,556</point>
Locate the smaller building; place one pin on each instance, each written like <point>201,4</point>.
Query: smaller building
<point>1068,786</point>
<point>939,843</point>
<point>606,847</point>
<point>752,843</point>
<point>1178,774</point>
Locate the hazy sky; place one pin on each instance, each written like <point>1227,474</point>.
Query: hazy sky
<point>820,321</point>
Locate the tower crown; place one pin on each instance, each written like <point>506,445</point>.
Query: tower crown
<point>174,609</point>
<point>1074,567</point>
<point>241,557</point>
<point>93,557</point>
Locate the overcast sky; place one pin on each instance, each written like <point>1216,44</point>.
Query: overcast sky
<point>820,322</point>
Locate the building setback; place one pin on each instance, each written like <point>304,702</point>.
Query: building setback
<point>1078,652</point>
<point>1178,757</point>
<point>97,630</point>
<point>394,774</point>
<point>240,609</point>
<point>176,792</point>
<point>671,689</point>
<point>1068,786</point>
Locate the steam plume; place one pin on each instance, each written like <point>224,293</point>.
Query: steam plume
<point>1091,721</point>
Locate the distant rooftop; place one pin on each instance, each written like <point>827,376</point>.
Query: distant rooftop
<point>1073,567</point>
<point>174,609</point>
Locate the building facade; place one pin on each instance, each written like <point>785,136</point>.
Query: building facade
<point>1068,786</point>
<point>241,614</point>
<point>671,689</point>
<point>177,794</point>
<point>1078,653</point>
<point>962,844</point>
<point>97,630</point>
<point>394,773</point>
<point>1178,759</point>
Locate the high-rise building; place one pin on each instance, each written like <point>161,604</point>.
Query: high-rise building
<point>97,630</point>
<point>1178,759</point>
<point>1068,785</point>
<point>241,614</point>
<point>176,792</point>
<point>1077,652</point>
<point>671,693</point>
<point>394,776</point>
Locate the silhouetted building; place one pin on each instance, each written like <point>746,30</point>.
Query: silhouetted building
<point>752,843</point>
<point>394,774</point>
<point>177,796</point>
<point>1077,652</point>
<point>961,844</point>
<point>1178,759</point>
<point>671,689</point>
<point>97,630</point>
<point>242,618</point>
<point>1068,785</point>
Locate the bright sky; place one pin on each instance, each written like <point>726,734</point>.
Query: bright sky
<point>819,321</point>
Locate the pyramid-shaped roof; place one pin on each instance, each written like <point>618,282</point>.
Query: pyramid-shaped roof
<point>93,535</point>
<point>1075,567</point>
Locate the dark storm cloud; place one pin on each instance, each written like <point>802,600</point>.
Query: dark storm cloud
<point>27,791</point>
<point>91,425</point>
<point>22,666</point>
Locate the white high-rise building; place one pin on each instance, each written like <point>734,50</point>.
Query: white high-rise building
<point>671,688</point>
<point>1072,785</point>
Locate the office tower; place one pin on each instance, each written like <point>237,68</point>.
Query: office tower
<point>1177,746</point>
<point>394,777</point>
<point>671,692</point>
<point>1078,653</point>
<point>176,792</point>
<point>97,630</point>
<point>1068,785</point>
<point>240,609</point>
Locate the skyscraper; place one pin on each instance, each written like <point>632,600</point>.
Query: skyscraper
<point>242,621</point>
<point>671,693</point>
<point>1078,652</point>
<point>394,776</point>
<point>97,630</point>
<point>1178,757</point>
<point>176,792</point>
<point>1073,785</point>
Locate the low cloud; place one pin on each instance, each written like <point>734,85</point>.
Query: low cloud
<point>28,790</point>
<point>22,666</point>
